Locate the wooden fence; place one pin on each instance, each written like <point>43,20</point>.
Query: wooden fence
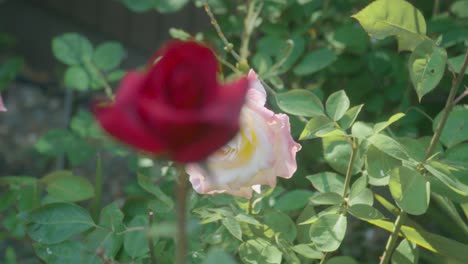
<point>145,31</point>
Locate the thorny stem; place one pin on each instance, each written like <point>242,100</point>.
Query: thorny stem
<point>393,238</point>
<point>227,45</point>
<point>150,239</point>
<point>448,108</point>
<point>181,207</point>
<point>249,24</point>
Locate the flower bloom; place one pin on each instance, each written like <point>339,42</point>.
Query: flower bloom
<point>262,151</point>
<point>2,106</point>
<point>176,107</point>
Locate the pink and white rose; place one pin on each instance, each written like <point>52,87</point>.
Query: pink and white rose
<point>262,151</point>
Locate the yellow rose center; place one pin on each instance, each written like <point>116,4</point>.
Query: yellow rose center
<point>241,149</point>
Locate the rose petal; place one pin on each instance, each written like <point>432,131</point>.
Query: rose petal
<point>191,57</point>
<point>192,136</point>
<point>256,93</point>
<point>124,125</point>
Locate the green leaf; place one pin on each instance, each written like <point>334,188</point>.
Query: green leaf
<point>384,18</point>
<point>427,240</point>
<point>293,200</point>
<point>149,186</point>
<point>361,130</point>
<point>327,182</point>
<point>388,145</point>
<point>456,63</point>
<point>350,116</point>
<point>443,174</point>
<point>247,219</point>
<point>17,182</point>
<point>65,186</point>
<point>365,212</point>
<point>279,223</point>
<point>300,102</point>
<point>8,71</point>
<point>337,104</point>
<point>83,124</point>
<point>405,253</point>
<point>460,8</point>
<point>307,251</point>
<point>135,241</point>
<point>71,252</point>
<point>256,251</point>
<point>342,260</point>
<point>456,127</point>
<point>76,78</point>
<point>315,61</point>
<point>328,232</point>
<point>410,190</point>
<point>327,198</point>
<point>108,241</point>
<point>337,152</point>
<point>353,38</point>
<point>382,125</point>
<point>232,226</point>
<point>427,67</point>
<point>72,48</point>
<point>54,143</point>
<point>379,164</point>
<point>170,6</point>
<point>416,148</point>
<point>217,255</point>
<point>178,33</point>
<point>359,185</point>
<point>108,55</point>
<point>139,5</point>
<point>317,126</point>
<point>56,222</point>
<point>364,197</point>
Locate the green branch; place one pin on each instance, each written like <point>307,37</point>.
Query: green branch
<point>391,243</point>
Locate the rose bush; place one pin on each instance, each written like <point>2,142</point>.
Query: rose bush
<point>262,151</point>
<point>176,107</point>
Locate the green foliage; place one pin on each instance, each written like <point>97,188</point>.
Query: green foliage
<point>56,222</point>
<point>300,102</point>
<point>384,18</point>
<point>89,68</point>
<point>163,6</point>
<point>64,186</point>
<point>410,190</point>
<point>328,232</point>
<point>427,66</point>
<point>456,128</point>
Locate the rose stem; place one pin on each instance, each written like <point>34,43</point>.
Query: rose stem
<point>227,45</point>
<point>150,238</point>
<point>181,207</point>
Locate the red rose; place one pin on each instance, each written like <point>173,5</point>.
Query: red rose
<point>176,107</point>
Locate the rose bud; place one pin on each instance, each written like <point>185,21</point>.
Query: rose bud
<point>176,107</point>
